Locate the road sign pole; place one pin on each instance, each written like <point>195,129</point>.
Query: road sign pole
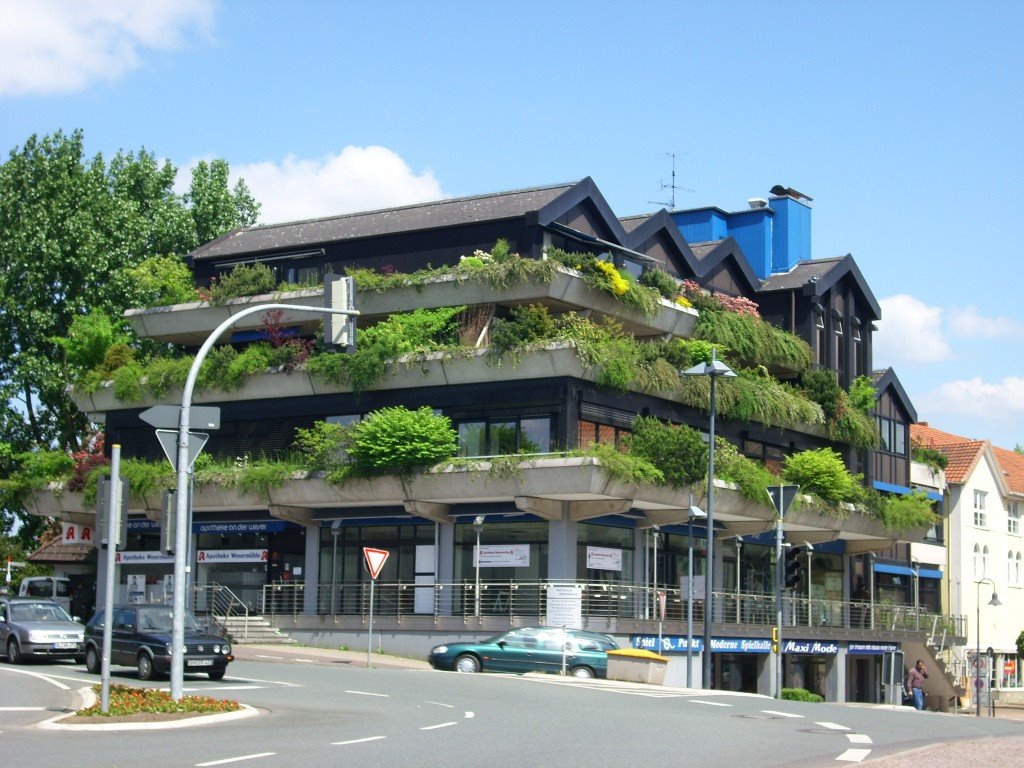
<point>113,508</point>
<point>181,531</point>
<point>369,639</point>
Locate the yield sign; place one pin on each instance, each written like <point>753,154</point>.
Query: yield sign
<point>782,496</point>
<point>375,559</point>
<point>169,442</point>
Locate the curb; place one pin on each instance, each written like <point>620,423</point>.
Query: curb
<point>88,698</point>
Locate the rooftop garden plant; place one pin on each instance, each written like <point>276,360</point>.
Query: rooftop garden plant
<point>935,460</point>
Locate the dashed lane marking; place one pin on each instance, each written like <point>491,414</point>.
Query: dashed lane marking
<point>367,693</point>
<point>357,741</point>
<point>439,725</point>
<point>470,715</point>
<point>710,703</point>
<point>854,755</point>
<point>859,738</point>
<point>833,726</point>
<point>22,709</point>
<point>779,714</point>
<point>235,759</point>
<point>441,704</point>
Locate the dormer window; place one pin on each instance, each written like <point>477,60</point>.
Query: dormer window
<point>855,329</point>
<point>837,323</point>
<point>819,318</point>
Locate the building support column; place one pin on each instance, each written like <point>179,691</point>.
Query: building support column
<point>311,571</point>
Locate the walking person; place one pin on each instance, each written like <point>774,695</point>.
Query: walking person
<point>915,683</point>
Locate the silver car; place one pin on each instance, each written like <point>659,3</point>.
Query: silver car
<point>33,629</point>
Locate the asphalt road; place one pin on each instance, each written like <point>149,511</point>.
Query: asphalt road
<point>325,710</point>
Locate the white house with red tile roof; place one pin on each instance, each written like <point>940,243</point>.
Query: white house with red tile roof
<point>985,545</point>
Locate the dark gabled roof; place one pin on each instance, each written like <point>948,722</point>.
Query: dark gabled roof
<point>816,276</point>
<point>629,223</point>
<point>644,227</point>
<point>888,378</point>
<point>721,251</point>
<point>410,218</point>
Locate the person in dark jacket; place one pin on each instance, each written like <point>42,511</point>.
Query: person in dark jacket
<point>915,683</point>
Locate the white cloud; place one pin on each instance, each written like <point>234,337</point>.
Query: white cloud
<point>909,333</point>
<point>357,179</point>
<point>974,407</point>
<point>62,46</point>
<point>966,323</point>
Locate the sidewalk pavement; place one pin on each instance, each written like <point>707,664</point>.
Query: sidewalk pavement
<point>307,653</point>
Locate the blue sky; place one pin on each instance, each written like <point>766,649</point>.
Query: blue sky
<point>901,119</point>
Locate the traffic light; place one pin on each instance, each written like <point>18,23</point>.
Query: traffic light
<point>794,568</point>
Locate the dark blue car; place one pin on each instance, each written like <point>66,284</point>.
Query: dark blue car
<point>141,638</point>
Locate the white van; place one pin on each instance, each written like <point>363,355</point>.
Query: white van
<point>54,588</point>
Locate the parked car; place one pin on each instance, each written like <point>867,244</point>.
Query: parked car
<point>529,649</point>
<point>32,629</point>
<point>141,638</point>
<point>55,588</point>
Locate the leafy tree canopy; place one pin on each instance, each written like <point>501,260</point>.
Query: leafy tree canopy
<point>72,229</point>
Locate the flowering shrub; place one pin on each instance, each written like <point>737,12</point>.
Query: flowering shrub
<point>125,700</point>
<point>86,460</point>
<point>737,304</point>
<point>619,285</point>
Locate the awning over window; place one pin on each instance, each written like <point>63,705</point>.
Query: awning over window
<point>899,570</point>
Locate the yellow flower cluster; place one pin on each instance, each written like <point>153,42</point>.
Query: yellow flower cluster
<point>682,301</point>
<point>619,284</point>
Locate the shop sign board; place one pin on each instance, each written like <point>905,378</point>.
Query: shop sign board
<point>72,533</point>
<point>604,559</point>
<point>871,649</point>
<point>669,643</point>
<point>250,526</point>
<point>231,556</point>
<point>503,556</point>
<point>813,647</point>
<point>142,558</point>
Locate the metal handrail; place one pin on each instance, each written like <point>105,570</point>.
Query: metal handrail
<point>220,601</point>
<point>527,601</point>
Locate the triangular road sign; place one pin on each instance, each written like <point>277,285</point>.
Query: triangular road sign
<point>169,442</point>
<point>375,559</point>
<point>782,496</point>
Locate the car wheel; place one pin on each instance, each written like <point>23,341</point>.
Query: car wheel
<point>145,667</point>
<point>92,661</point>
<point>13,651</point>
<point>217,674</point>
<point>582,672</point>
<point>467,663</point>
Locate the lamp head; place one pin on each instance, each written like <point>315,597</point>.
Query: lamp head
<point>478,523</point>
<point>995,600</point>
<point>696,513</point>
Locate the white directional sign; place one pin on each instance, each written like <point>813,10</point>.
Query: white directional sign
<point>169,416</point>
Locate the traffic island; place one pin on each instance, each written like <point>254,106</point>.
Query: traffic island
<point>633,665</point>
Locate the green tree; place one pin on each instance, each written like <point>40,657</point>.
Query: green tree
<point>71,229</point>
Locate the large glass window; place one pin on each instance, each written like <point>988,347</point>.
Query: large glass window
<point>980,518</point>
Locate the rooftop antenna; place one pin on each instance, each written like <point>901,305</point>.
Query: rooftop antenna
<point>671,203</point>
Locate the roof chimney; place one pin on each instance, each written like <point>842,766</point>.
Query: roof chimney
<point>757,203</point>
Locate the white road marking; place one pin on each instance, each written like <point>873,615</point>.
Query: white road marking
<point>441,704</point>
<point>357,741</point>
<point>229,688</point>
<point>235,759</point>
<point>51,679</point>
<point>710,703</point>
<point>854,755</point>
<point>22,709</point>
<point>859,738</point>
<point>260,680</point>
<point>779,714</point>
<point>470,715</point>
<point>833,726</point>
<point>301,661</point>
<point>440,725</point>
<point>367,693</point>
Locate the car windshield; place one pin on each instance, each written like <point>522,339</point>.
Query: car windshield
<point>161,619</point>
<point>38,612</point>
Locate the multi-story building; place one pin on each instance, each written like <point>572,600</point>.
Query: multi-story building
<point>474,548</point>
<point>984,499</point>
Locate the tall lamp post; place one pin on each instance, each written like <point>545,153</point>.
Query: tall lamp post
<point>977,659</point>
<point>713,369</point>
<point>478,526</point>
<point>695,513</point>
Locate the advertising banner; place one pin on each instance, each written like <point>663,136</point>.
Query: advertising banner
<point>604,559</point>
<point>502,556</point>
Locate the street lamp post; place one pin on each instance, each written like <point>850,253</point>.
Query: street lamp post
<point>478,526</point>
<point>713,369</point>
<point>695,513</point>
<point>977,659</point>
